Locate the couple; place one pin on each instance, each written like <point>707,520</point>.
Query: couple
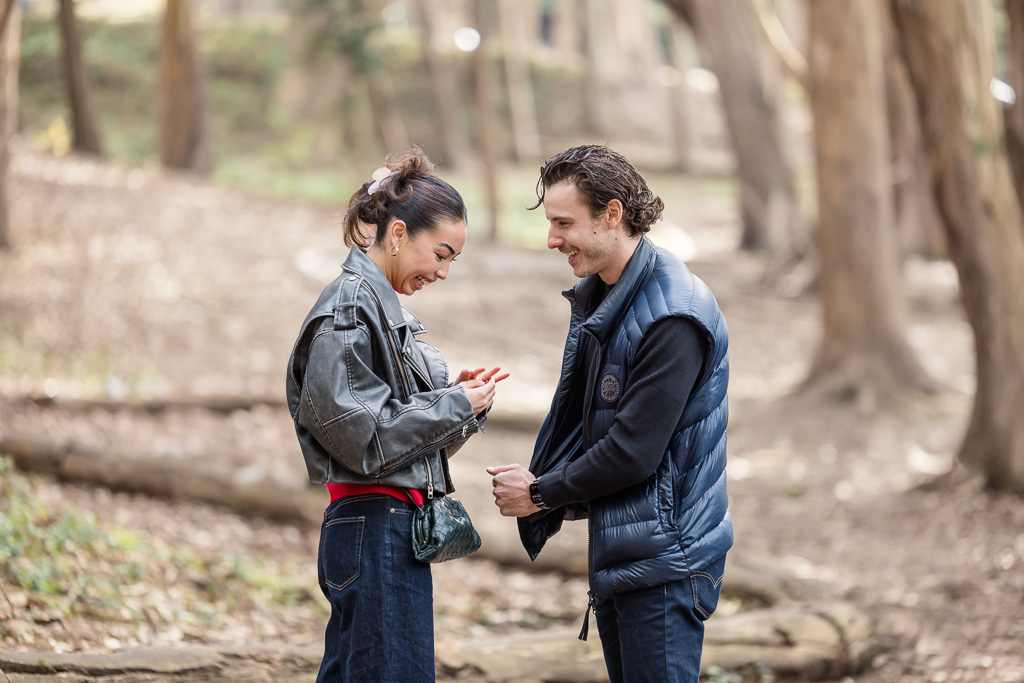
<point>634,440</point>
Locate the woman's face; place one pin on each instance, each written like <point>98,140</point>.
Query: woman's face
<point>425,258</point>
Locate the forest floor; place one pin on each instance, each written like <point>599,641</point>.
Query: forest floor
<point>139,283</point>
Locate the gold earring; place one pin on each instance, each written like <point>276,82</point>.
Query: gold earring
<point>394,251</point>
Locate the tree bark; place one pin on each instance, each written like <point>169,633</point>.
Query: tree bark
<point>625,99</point>
<point>85,133</point>
<point>680,40</point>
<point>10,33</point>
<point>523,110</point>
<point>949,53</point>
<point>445,93</point>
<point>918,223</point>
<point>486,114</point>
<point>1015,112</point>
<point>864,351</point>
<point>731,41</point>
<point>184,119</point>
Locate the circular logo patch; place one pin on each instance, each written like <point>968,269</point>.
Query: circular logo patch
<point>609,387</point>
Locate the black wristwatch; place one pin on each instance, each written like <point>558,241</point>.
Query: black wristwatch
<point>535,495</point>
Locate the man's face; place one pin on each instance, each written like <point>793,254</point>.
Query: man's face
<point>588,242</point>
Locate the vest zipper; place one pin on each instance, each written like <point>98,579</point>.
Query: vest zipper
<point>591,385</point>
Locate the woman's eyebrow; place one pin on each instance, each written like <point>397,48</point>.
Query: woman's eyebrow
<point>448,246</point>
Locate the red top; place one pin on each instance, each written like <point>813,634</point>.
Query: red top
<point>408,495</point>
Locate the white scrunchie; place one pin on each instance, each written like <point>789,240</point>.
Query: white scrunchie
<point>378,175</point>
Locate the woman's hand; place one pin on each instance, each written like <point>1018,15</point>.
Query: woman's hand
<point>480,394</point>
<point>482,374</point>
<point>478,384</point>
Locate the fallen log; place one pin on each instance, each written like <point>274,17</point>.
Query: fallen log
<point>821,642</point>
<point>197,480</point>
<point>229,403</point>
<point>200,480</point>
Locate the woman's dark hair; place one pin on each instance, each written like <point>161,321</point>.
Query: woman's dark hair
<point>601,175</point>
<point>411,193</point>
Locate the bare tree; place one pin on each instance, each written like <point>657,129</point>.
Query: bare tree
<point>525,132</point>
<point>486,113</point>
<point>85,132</point>
<point>679,39</point>
<point>447,100</point>
<point>9,39</point>
<point>624,97</point>
<point>1015,112</point>
<point>864,351</point>
<point>184,119</point>
<point>949,50</point>
<point>918,223</point>
<point>732,45</point>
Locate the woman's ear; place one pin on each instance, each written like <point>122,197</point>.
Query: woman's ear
<point>397,233</point>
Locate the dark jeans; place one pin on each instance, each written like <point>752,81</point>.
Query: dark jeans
<point>657,634</point>
<point>381,627</point>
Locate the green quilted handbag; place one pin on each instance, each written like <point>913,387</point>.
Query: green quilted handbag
<point>442,531</point>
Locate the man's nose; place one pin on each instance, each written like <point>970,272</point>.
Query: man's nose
<point>554,241</point>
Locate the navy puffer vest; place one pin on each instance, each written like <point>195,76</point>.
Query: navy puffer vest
<point>677,521</point>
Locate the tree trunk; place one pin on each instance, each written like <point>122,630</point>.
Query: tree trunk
<point>949,55</point>
<point>10,33</point>
<point>1015,112</point>
<point>390,122</point>
<point>680,42</point>
<point>625,99</point>
<point>731,42</point>
<point>447,101</point>
<point>85,133</point>
<point>523,110</point>
<point>184,120</point>
<point>567,35</point>
<point>864,350</point>
<point>918,223</point>
<point>487,127</point>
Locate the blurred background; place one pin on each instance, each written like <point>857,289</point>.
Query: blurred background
<point>846,175</point>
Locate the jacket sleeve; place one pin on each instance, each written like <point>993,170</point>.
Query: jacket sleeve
<point>352,413</point>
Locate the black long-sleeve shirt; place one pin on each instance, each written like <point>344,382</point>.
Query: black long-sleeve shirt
<point>665,368</point>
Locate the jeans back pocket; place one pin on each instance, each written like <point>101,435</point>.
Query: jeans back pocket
<point>707,587</point>
<point>341,543</point>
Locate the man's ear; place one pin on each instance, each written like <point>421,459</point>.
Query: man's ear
<point>613,213</point>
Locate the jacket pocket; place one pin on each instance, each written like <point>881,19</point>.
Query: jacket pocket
<point>707,588</point>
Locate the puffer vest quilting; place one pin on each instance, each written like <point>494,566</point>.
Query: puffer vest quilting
<point>677,521</point>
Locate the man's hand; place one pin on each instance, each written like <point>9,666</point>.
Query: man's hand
<point>512,490</point>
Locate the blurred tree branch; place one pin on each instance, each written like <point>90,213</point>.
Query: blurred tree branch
<point>789,54</point>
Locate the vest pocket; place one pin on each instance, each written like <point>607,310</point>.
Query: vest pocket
<point>707,588</point>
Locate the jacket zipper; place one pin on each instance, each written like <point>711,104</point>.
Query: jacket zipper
<point>587,404</point>
<point>393,343</point>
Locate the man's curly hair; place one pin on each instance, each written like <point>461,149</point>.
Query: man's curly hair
<point>601,175</point>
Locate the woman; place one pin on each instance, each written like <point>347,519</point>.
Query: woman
<point>377,420</point>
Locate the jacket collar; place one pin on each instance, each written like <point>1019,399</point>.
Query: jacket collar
<point>606,317</point>
<point>360,264</point>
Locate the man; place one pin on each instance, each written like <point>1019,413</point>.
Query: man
<point>635,438</point>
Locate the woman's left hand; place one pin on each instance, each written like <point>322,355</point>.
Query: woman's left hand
<point>482,374</point>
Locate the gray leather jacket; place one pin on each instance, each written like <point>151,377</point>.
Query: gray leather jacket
<point>362,415</point>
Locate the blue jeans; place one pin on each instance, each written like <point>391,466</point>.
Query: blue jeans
<point>657,634</point>
<point>381,627</point>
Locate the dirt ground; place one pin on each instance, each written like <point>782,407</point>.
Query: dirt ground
<point>138,283</point>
